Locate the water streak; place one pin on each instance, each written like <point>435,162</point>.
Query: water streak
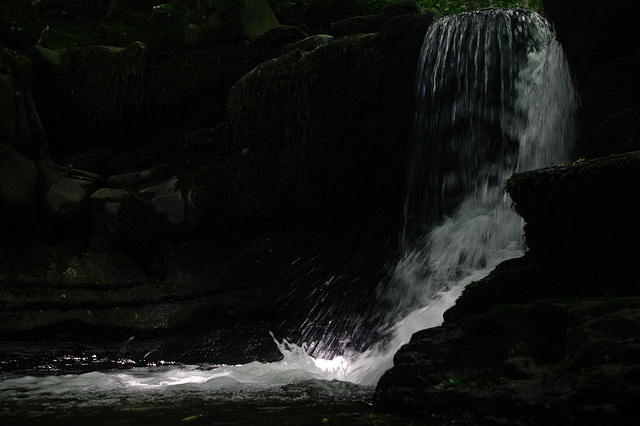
<point>495,96</point>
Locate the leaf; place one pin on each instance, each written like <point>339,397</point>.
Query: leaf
<point>188,419</point>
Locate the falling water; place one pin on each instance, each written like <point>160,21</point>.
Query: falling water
<point>494,97</point>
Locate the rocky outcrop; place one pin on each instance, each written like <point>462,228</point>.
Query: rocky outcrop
<point>140,212</point>
<point>548,338</point>
<point>551,362</point>
<point>587,209</point>
<point>91,96</point>
<point>313,142</point>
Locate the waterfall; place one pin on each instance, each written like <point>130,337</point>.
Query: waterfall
<point>494,97</point>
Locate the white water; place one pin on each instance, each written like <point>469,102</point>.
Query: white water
<point>512,84</point>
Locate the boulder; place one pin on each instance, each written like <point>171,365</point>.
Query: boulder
<point>20,124</point>
<point>67,198</point>
<point>603,46</point>
<point>548,338</point>
<point>309,43</point>
<point>22,145</point>
<point>104,208</point>
<point>581,230</point>
<point>188,91</point>
<point>142,213</point>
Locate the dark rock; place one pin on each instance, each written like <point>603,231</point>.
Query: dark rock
<point>610,120</point>
<point>587,209</point>
<point>108,99</point>
<point>141,216</point>
<point>316,148</point>
<point>549,362</point>
<point>206,146</point>
<point>602,45</point>
<point>592,33</point>
<point>372,23</point>
<point>18,181</point>
<point>181,23</point>
<point>309,43</point>
<point>356,25</point>
<point>581,232</point>
<point>67,195</point>
<point>188,91</point>
<point>20,25</point>
<point>91,96</point>
<point>20,124</point>
<point>272,43</point>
